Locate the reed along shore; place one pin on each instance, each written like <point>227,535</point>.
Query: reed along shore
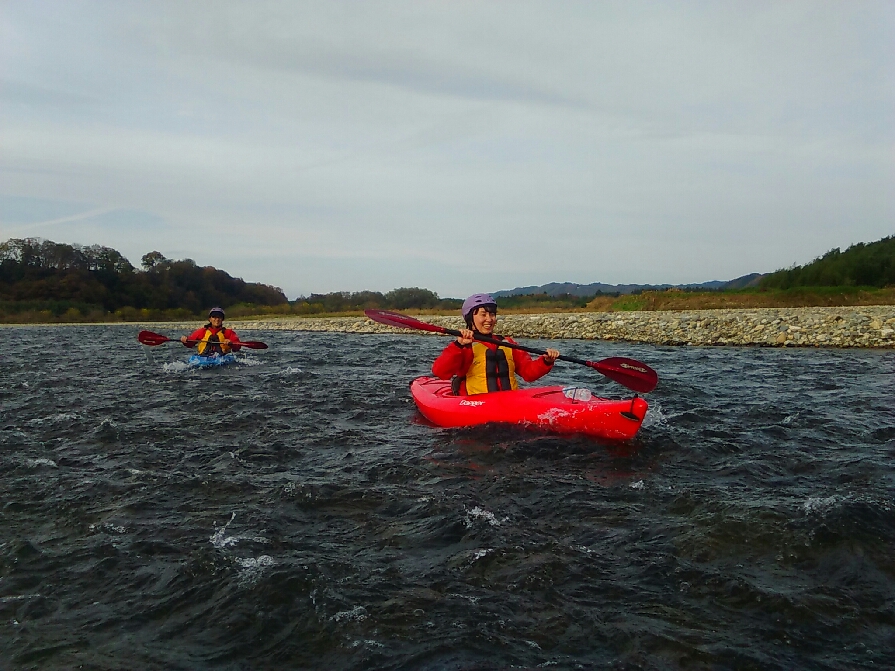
<point>856,326</point>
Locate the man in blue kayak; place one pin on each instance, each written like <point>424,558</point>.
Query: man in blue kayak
<point>213,339</point>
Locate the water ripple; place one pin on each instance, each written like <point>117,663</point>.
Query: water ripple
<point>293,511</point>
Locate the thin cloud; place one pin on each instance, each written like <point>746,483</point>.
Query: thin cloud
<point>382,144</point>
<point>18,229</point>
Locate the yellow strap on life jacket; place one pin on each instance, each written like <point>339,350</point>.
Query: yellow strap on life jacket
<point>491,370</point>
<point>204,346</point>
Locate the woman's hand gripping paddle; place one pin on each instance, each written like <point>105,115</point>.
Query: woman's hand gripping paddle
<point>629,372</point>
<point>153,339</point>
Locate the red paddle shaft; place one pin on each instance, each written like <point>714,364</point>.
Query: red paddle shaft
<point>153,339</point>
<point>629,372</point>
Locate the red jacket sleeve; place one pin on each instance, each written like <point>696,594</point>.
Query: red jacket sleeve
<point>454,360</point>
<point>195,335</point>
<point>529,369</point>
<point>233,338</point>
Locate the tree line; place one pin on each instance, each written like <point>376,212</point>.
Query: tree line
<point>45,281</point>
<point>861,265</point>
<point>405,298</point>
<point>42,280</point>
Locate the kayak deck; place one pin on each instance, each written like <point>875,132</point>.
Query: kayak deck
<point>545,407</point>
<point>199,361</point>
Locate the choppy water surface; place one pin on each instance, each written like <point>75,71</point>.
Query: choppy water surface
<point>292,512</point>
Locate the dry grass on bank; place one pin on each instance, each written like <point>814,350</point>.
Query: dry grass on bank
<point>675,300</point>
<point>670,300</point>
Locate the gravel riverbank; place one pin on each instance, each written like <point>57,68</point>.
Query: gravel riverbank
<point>864,326</point>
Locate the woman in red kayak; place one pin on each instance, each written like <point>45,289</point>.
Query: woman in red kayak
<point>483,367</point>
<point>213,339</point>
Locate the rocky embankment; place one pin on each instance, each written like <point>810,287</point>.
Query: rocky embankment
<point>865,326</point>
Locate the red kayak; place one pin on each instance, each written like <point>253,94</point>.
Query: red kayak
<point>560,409</point>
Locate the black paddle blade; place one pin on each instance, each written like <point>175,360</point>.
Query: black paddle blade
<point>152,339</point>
<point>400,321</point>
<point>631,373</point>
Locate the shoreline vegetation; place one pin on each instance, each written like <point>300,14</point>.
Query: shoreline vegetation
<point>675,300</point>
<point>841,299</point>
<point>871,326</point>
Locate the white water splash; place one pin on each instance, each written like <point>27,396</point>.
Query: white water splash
<point>42,462</point>
<point>252,563</point>
<point>176,367</point>
<point>654,417</point>
<point>109,527</point>
<point>819,506</point>
<point>251,568</point>
<point>52,419</point>
<point>479,513</point>
<point>372,644</point>
<point>220,539</point>
<point>357,614</point>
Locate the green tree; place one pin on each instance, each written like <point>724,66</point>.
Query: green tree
<point>411,297</point>
<point>152,259</point>
<point>869,265</point>
<point>70,278</point>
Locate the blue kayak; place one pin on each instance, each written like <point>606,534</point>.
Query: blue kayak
<point>199,361</point>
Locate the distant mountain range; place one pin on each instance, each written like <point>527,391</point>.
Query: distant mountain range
<point>573,289</point>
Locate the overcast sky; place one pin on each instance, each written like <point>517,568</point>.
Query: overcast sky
<point>457,146</point>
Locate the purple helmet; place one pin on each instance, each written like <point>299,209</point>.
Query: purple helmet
<point>216,311</point>
<point>475,301</point>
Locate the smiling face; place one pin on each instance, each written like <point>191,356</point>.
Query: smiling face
<point>484,320</point>
<point>217,321</point>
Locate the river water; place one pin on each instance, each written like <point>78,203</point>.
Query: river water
<point>293,511</point>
